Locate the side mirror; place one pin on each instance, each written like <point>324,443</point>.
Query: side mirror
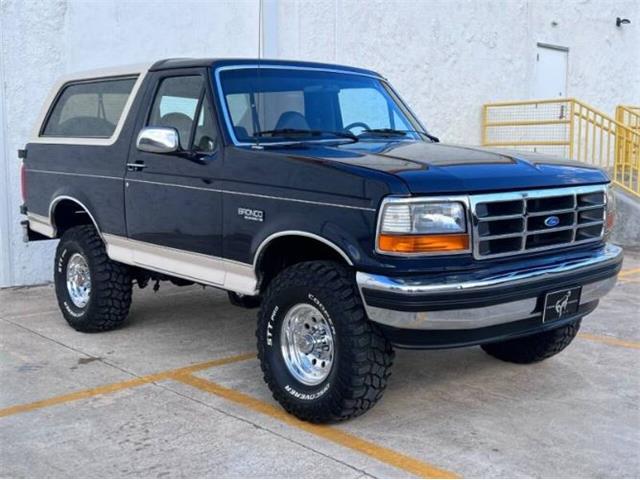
<point>158,140</point>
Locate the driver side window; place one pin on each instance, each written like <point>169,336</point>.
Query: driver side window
<point>175,105</point>
<point>368,106</point>
<point>363,105</point>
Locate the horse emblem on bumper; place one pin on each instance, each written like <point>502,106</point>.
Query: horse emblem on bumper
<point>562,304</point>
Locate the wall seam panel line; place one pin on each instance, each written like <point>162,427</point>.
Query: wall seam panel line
<point>6,271</point>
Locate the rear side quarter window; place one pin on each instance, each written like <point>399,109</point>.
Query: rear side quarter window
<point>89,109</point>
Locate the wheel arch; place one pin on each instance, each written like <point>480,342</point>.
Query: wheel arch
<point>275,253</point>
<point>62,215</point>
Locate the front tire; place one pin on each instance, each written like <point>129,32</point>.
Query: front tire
<point>321,357</point>
<point>534,348</point>
<point>94,292</point>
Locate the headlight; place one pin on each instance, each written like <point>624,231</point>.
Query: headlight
<point>610,218</point>
<point>422,227</point>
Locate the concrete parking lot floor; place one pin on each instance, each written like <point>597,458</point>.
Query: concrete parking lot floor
<point>178,393</point>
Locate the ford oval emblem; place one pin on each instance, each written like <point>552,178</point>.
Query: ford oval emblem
<point>552,221</point>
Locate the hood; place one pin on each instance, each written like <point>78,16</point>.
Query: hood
<point>440,168</point>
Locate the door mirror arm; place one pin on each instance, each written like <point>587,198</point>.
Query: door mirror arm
<point>201,158</point>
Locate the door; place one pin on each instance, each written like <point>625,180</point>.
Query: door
<point>174,201</point>
<point>550,79</point>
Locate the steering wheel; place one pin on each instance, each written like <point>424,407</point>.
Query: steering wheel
<point>362,125</point>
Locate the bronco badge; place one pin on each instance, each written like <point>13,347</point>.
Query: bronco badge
<point>251,214</point>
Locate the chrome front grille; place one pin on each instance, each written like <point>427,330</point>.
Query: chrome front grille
<point>519,222</point>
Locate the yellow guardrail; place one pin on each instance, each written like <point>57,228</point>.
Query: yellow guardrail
<point>628,115</point>
<point>572,129</point>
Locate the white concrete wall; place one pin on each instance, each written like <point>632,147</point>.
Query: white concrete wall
<point>41,40</point>
<point>446,58</point>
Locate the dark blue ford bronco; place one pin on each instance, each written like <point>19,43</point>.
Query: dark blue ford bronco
<point>313,192</point>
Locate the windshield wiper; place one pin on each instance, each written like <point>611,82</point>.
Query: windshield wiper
<point>392,132</point>
<point>297,132</point>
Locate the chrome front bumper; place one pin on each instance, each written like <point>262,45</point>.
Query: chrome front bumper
<point>459,302</point>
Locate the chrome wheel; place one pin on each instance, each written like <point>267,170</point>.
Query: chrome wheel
<point>78,280</point>
<point>306,340</point>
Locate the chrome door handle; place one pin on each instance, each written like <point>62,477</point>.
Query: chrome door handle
<point>135,167</point>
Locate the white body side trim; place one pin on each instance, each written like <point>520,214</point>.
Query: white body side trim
<point>41,224</point>
<point>209,270</point>
<point>139,70</point>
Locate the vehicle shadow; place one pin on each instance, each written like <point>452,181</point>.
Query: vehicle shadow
<point>199,319</point>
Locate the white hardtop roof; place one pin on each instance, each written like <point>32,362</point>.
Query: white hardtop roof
<point>118,71</point>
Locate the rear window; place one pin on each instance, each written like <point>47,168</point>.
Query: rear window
<point>89,109</point>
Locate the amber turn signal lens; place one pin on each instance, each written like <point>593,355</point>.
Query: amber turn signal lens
<point>423,243</point>
<point>611,220</point>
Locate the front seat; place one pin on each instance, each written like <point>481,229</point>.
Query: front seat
<point>293,120</point>
<point>181,122</point>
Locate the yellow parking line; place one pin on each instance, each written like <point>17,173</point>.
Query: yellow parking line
<point>115,387</point>
<point>185,375</point>
<point>625,281</point>
<point>211,363</point>
<point>382,454</point>
<point>626,273</point>
<point>70,397</point>
<point>610,340</point>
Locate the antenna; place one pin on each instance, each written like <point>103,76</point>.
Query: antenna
<point>260,8</point>
<point>256,96</point>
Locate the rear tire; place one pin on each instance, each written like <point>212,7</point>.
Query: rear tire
<point>534,348</point>
<point>321,357</point>
<point>94,292</point>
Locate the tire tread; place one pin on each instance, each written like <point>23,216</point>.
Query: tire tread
<point>111,287</point>
<point>534,348</point>
<point>368,359</point>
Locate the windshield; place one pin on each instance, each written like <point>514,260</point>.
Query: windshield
<point>284,105</point>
